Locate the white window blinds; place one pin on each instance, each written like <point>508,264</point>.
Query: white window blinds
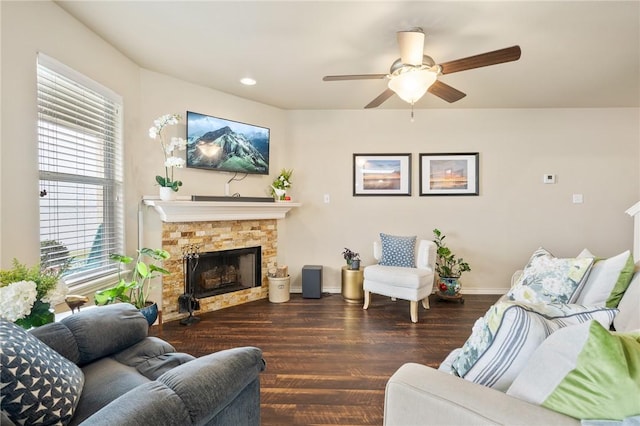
<point>80,165</point>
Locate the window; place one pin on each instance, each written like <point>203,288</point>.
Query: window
<point>80,166</point>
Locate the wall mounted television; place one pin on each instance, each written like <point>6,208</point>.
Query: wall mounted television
<point>227,146</point>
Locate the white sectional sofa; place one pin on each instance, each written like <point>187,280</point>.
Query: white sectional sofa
<point>507,380</point>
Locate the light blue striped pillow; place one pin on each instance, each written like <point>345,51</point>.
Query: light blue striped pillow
<point>503,340</point>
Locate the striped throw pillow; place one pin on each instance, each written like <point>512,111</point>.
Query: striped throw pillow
<point>503,340</point>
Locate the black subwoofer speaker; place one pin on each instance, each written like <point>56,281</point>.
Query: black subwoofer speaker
<point>312,281</point>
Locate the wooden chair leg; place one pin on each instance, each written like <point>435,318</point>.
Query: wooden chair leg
<point>414,311</point>
<point>425,302</point>
<point>367,299</point>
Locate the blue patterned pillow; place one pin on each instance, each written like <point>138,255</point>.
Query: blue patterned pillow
<point>398,251</point>
<point>39,386</point>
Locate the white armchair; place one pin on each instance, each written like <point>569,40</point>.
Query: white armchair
<point>398,282</point>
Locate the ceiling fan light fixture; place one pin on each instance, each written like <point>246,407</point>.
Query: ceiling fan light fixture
<point>410,84</point>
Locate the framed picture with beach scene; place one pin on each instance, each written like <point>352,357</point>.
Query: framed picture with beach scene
<point>381,174</point>
<point>450,174</point>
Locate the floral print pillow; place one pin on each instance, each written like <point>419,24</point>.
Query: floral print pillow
<point>549,279</point>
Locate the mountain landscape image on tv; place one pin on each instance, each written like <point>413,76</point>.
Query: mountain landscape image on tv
<point>228,146</point>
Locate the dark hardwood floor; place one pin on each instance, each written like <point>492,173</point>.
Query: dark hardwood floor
<point>328,361</point>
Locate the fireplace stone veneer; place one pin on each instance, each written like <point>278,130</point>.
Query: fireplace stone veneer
<point>214,226</point>
<point>215,236</point>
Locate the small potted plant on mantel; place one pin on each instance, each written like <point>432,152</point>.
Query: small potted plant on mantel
<point>135,287</point>
<point>352,258</point>
<point>448,267</point>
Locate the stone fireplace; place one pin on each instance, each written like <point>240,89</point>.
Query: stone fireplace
<point>215,227</point>
<point>212,237</point>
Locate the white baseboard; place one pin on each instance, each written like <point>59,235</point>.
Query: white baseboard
<point>484,290</point>
<point>338,290</point>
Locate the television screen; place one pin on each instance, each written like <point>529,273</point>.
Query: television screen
<point>227,146</point>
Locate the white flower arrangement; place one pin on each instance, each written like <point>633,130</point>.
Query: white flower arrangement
<point>28,294</point>
<point>17,299</point>
<point>168,148</point>
<point>281,184</point>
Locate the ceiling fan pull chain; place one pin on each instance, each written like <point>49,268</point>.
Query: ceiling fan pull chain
<point>412,120</point>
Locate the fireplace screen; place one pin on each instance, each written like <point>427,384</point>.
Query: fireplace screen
<point>225,271</point>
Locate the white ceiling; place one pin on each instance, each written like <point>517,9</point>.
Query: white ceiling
<point>574,53</point>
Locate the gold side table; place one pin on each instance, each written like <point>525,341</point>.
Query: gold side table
<point>352,279</point>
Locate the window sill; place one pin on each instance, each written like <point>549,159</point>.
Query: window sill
<point>87,289</point>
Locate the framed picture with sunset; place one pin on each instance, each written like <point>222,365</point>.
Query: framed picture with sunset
<point>381,174</point>
<point>450,174</point>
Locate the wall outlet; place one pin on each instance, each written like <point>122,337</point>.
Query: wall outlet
<point>549,178</point>
<point>577,199</point>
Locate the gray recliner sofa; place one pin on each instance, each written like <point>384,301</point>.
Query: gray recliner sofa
<point>131,378</point>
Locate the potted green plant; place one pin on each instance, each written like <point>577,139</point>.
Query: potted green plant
<point>448,267</point>
<point>352,258</point>
<point>281,184</point>
<point>29,294</point>
<point>133,287</point>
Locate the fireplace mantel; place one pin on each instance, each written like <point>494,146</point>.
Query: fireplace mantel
<point>185,210</point>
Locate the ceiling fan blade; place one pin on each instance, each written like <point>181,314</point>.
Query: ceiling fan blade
<point>482,60</point>
<point>446,92</point>
<point>380,99</point>
<point>411,45</point>
<point>353,77</point>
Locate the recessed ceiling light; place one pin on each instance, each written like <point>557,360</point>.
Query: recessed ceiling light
<point>248,81</point>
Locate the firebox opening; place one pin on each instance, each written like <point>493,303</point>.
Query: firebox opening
<point>226,271</point>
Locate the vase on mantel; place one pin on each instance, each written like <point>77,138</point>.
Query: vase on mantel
<point>279,194</point>
<point>168,194</point>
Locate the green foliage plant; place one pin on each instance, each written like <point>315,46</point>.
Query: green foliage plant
<point>350,256</point>
<point>281,184</point>
<point>45,279</point>
<point>134,286</point>
<point>447,264</point>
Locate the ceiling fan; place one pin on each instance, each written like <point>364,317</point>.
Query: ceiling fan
<point>415,73</point>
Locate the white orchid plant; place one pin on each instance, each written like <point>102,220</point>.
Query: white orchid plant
<point>168,148</point>
<point>27,295</point>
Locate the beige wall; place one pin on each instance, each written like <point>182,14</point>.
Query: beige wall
<point>594,152</point>
<point>160,95</point>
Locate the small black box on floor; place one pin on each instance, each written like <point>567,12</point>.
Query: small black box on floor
<point>312,281</point>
